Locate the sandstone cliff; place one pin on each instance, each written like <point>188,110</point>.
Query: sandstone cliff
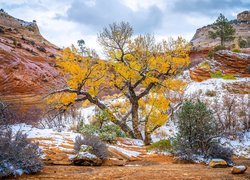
<point>224,61</point>
<point>27,59</point>
<point>201,40</point>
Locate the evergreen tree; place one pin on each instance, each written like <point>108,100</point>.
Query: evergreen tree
<point>222,29</point>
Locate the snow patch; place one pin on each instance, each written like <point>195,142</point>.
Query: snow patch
<point>126,152</point>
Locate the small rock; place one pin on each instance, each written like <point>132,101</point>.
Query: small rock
<point>218,163</point>
<point>238,169</point>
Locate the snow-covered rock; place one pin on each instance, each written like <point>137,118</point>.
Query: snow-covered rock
<point>86,159</point>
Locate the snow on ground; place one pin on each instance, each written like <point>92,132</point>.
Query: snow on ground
<point>214,84</point>
<point>87,113</point>
<point>33,132</point>
<point>240,146</point>
<point>165,132</point>
<point>129,153</point>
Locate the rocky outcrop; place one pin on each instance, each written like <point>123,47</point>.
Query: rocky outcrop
<point>199,74</point>
<point>243,16</point>
<point>238,87</point>
<point>232,63</point>
<point>27,59</point>
<point>224,61</point>
<point>201,39</point>
<point>58,149</point>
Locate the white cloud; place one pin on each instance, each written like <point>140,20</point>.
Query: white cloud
<point>64,22</point>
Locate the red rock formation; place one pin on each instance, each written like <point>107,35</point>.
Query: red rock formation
<point>199,74</point>
<point>226,62</point>
<point>27,59</point>
<point>232,63</point>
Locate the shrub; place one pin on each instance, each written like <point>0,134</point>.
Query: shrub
<point>216,74</point>
<point>236,50</point>
<point>1,30</point>
<point>218,151</point>
<point>18,155</point>
<point>210,93</point>
<point>242,43</point>
<point>107,133</point>
<point>99,148</point>
<point>88,129</point>
<point>6,115</point>
<point>228,77</point>
<point>219,47</point>
<point>248,69</point>
<point>215,49</point>
<point>204,65</point>
<point>161,146</point>
<point>196,130</point>
<point>42,49</point>
<point>210,54</point>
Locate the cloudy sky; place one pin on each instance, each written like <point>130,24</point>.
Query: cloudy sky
<point>63,22</point>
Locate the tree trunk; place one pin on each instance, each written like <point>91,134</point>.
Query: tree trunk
<point>121,124</point>
<point>147,139</point>
<point>135,120</point>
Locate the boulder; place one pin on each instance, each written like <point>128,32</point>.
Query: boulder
<point>218,163</point>
<point>86,159</point>
<point>238,169</point>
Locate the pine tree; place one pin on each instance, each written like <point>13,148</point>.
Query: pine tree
<point>222,29</point>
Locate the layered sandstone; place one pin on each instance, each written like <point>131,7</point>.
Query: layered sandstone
<point>27,59</point>
<point>224,61</point>
<point>232,63</point>
<point>201,39</point>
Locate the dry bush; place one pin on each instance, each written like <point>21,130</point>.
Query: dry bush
<point>221,152</point>
<point>232,113</point>
<point>59,120</point>
<point>13,114</point>
<point>99,148</point>
<point>17,154</point>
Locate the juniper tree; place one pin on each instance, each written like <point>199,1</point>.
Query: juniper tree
<point>222,29</point>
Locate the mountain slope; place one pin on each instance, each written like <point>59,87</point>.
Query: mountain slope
<point>27,59</point>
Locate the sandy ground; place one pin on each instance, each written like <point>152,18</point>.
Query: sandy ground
<point>152,167</point>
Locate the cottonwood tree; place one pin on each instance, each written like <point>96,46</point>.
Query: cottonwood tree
<point>138,69</point>
<point>222,29</point>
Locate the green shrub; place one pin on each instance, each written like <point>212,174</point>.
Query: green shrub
<point>102,128</point>
<point>244,43</point>
<point>161,146</point>
<point>210,93</point>
<point>107,133</point>
<point>196,127</point>
<point>236,50</point>
<point>228,77</point>
<point>248,69</point>
<point>216,74</point>
<point>218,48</point>
<point>88,129</point>
<point>215,49</point>
<point>205,65</point>
<point>210,54</point>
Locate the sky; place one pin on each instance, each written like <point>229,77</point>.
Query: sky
<point>63,22</point>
